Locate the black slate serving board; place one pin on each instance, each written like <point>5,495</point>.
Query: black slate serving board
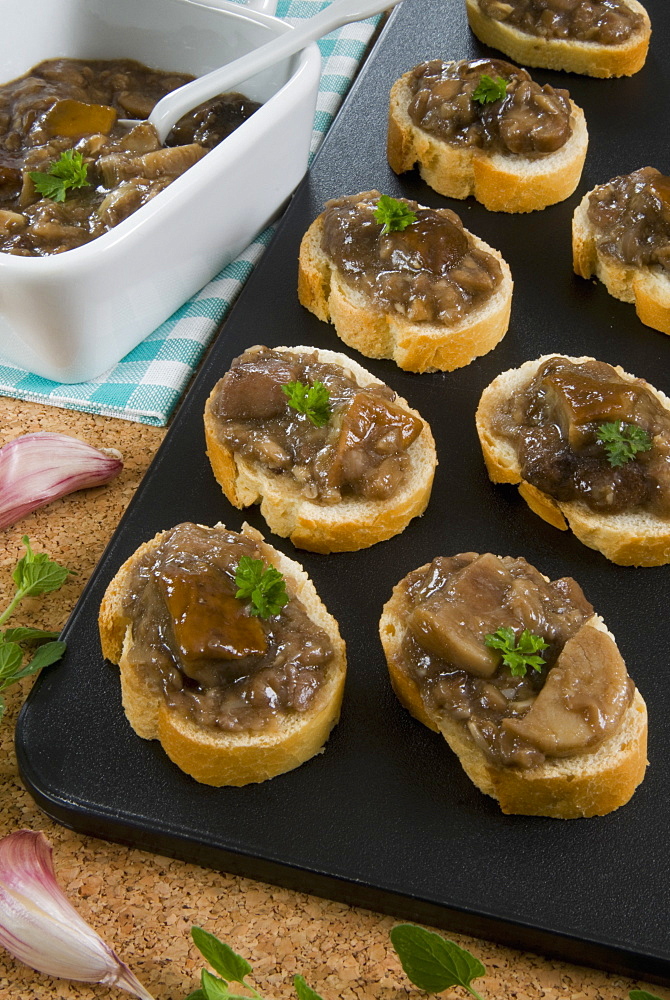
<point>385,818</point>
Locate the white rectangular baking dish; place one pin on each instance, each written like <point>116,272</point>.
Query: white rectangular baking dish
<point>71,316</point>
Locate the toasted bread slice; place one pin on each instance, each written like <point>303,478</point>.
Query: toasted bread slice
<point>414,346</point>
<point>589,58</point>
<point>500,182</point>
<point>220,757</point>
<point>647,287</point>
<point>586,784</point>
<point>354,523</point>
<point>638,538</point>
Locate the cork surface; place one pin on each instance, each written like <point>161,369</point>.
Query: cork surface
<point>144,905</point>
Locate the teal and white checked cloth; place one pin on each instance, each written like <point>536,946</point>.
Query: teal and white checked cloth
<point>146,385</point>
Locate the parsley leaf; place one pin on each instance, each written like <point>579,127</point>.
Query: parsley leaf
<point>394,215</point>
<point>490,90</point>
<point>264,587</point>
<point>312,400</point>
<point>68,171</point>
<point>623,441</point>
<point>517,656</point>
<point>432,962</point>
<point>304,990</point>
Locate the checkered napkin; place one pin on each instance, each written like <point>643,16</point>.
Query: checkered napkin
<point>147,383</point>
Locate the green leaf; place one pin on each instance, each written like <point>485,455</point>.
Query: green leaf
<point>213,987</point>
<point>37,574</point>
<point>518,656</point>
<point>221,956</point>
<point>2,706</point>
<point>304,990</point>
<point>68,171</point>
<point>27,635</point>
<point>432,962</point>
<point>264,587</point>
<point>11,658</point>
<point>395,216</point>
<point>47,654</point>
<point>312,400</point>
<point>197,995</point>
<point>489,90</point>
<point>623,441</point>
<point>642,995</point>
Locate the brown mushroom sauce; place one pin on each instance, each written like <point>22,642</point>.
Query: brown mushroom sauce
<point>631,217</point>
<point>430,272</point>
<point>213,661</point>
<point>64,104</point>
<point>607,22</point>
<point>361,451</point>
<point>530,120</point>
<point>571,706</point>
<point>554,423</point>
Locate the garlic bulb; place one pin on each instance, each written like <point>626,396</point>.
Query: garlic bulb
<point>38,468</point>
<point>42,929</point>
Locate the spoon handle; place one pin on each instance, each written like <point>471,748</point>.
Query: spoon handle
<point>170,108</point>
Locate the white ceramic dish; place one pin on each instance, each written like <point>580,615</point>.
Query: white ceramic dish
<point>71,316</point>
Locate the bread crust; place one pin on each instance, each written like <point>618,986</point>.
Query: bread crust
<point>590,784</point>
<point>343,527</point>
<point>648,288</point>
<point>415,347</point>
<point>588,58</point>
<point>218,757</point>
<point>635,539</point>
<point>501,183</point>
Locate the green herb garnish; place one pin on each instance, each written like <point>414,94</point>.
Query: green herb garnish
<point>434,963</point>
<point>312,400</point>
<point>264,587</point>
<point>642,995</point>
<point>395,216</point>
<point>490,90</point>
<point>623,441</point>
<point>517,656</point>
<point>34,574</point>
<point>68,171</point>
<point>232,968</point>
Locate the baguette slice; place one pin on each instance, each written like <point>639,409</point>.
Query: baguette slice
<point>628,539</point>
<point>343,527</point>
<point>648,288</point>
<point>224,758</point>
<point>415,347</point>
<point>589,58</point>
<point>501,183</point>
<point>587,784</point>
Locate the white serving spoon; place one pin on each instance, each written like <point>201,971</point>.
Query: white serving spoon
<point>173,106</point>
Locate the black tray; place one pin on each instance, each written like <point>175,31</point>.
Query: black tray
<point>385,818</point>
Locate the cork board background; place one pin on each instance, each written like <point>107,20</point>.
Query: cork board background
<point>144,905</point>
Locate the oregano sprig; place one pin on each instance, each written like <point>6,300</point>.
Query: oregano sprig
<point>434,963</point>
<point>231,968</point>
<point>34,574</point>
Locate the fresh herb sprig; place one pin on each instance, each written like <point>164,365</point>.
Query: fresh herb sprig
<point>518,656</point>
<point>232,968</point>
<point>430,961</point>
<point>68,171</point>
<point>489,90</point>
<point>394,216</point>
<point>265,588</point>
<point>623,441</point>
<point>312,400</point>
<point>434,963</point>
<point>34,574</point>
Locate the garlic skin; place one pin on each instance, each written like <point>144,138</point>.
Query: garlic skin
<point>42,929</point>
<point>38,468</point>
